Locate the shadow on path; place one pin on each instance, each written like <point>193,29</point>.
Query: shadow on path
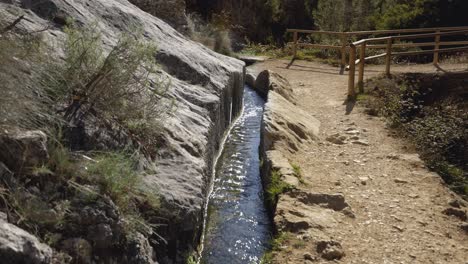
<point>349,105</point>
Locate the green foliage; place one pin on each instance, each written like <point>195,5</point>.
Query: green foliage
<point>275,245</point>
<point>435,123</point>
<point>116,86</point>
<point>298,172</point>
<point>275,187</point>
<point>115,173</point>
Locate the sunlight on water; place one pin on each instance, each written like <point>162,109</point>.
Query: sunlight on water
<point>238,225</point>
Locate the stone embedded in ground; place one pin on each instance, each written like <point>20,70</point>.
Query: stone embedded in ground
<point>464,227</point>
<point>364,180</point>
<point>308,256</point>
<point>330,250</point>
<point>461,214</point>
<point>19,246</point>
<point>399,228</point>
<point>457,203</point>
<point>398,180</point>
<point>23,149</point>
<point>361,142</point>
<point>332,201</point>
<point>337,139</point>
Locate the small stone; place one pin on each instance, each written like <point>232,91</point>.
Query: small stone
<point>361,142</point>
<point>393,156</point>
<point>337,183</point>
<point>348,212</point>
<point>364,180</point>
<point>308,256</point>
<point>399,228</point>
<point>457,204</point>
<point>398,180</point>
<point>456,212</point>
<point>330,250</point>
<point>464,227</point>
<point>352,131</point>
<point>337,139</point>
<point>414,196</point>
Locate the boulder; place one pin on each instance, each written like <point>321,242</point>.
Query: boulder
<point>80,248</point>
<point>286,124</point>
<point>140,250</point>
<point>22,149</point>
<point>250,80</point>
<point>271,81</point>
<point>20,247</point>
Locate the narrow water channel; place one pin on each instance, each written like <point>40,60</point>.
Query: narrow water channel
<point>238,227</point>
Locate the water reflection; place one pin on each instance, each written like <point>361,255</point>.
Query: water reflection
<point>238,225</point>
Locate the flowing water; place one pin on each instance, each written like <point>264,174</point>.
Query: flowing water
<point>238,227</point>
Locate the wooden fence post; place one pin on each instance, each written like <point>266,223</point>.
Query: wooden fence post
<point>437,46</point>
<point>389,56</point>
<point>295,39</point>
<point>352,72</point>
<point>344,43</point>
<point>362,63</point>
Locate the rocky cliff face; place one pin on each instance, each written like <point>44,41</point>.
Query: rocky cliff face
<point>171,11</point>
<point>257,19</point>
<point>207,90</point>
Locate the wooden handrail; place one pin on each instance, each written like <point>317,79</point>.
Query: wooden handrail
<point>344,37</point>
<point>363,44</point>
<point>377,32</point>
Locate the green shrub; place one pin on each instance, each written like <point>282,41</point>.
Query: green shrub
<point>123,86</point>
<point>276,187</point>
<point>116,175</point>
<point>298,172</point>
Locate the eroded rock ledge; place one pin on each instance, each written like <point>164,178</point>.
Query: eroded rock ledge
<point>285,129</point>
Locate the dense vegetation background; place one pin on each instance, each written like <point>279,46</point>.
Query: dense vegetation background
<point>266,20</point>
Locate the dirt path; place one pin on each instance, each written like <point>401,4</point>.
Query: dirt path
<point>397,202</point>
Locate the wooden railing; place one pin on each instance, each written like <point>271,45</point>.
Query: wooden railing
<point>362,45</point>
<point>345,37</point>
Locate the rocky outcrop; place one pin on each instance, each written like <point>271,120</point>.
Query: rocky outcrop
<point>20,247</point>
<point>285,127</point>
<point>271,81</point>
<point>206,87</point>
<point>296,210</point>
<point>22,150</point>
<point>286,124</point>
<point>171,11</point>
